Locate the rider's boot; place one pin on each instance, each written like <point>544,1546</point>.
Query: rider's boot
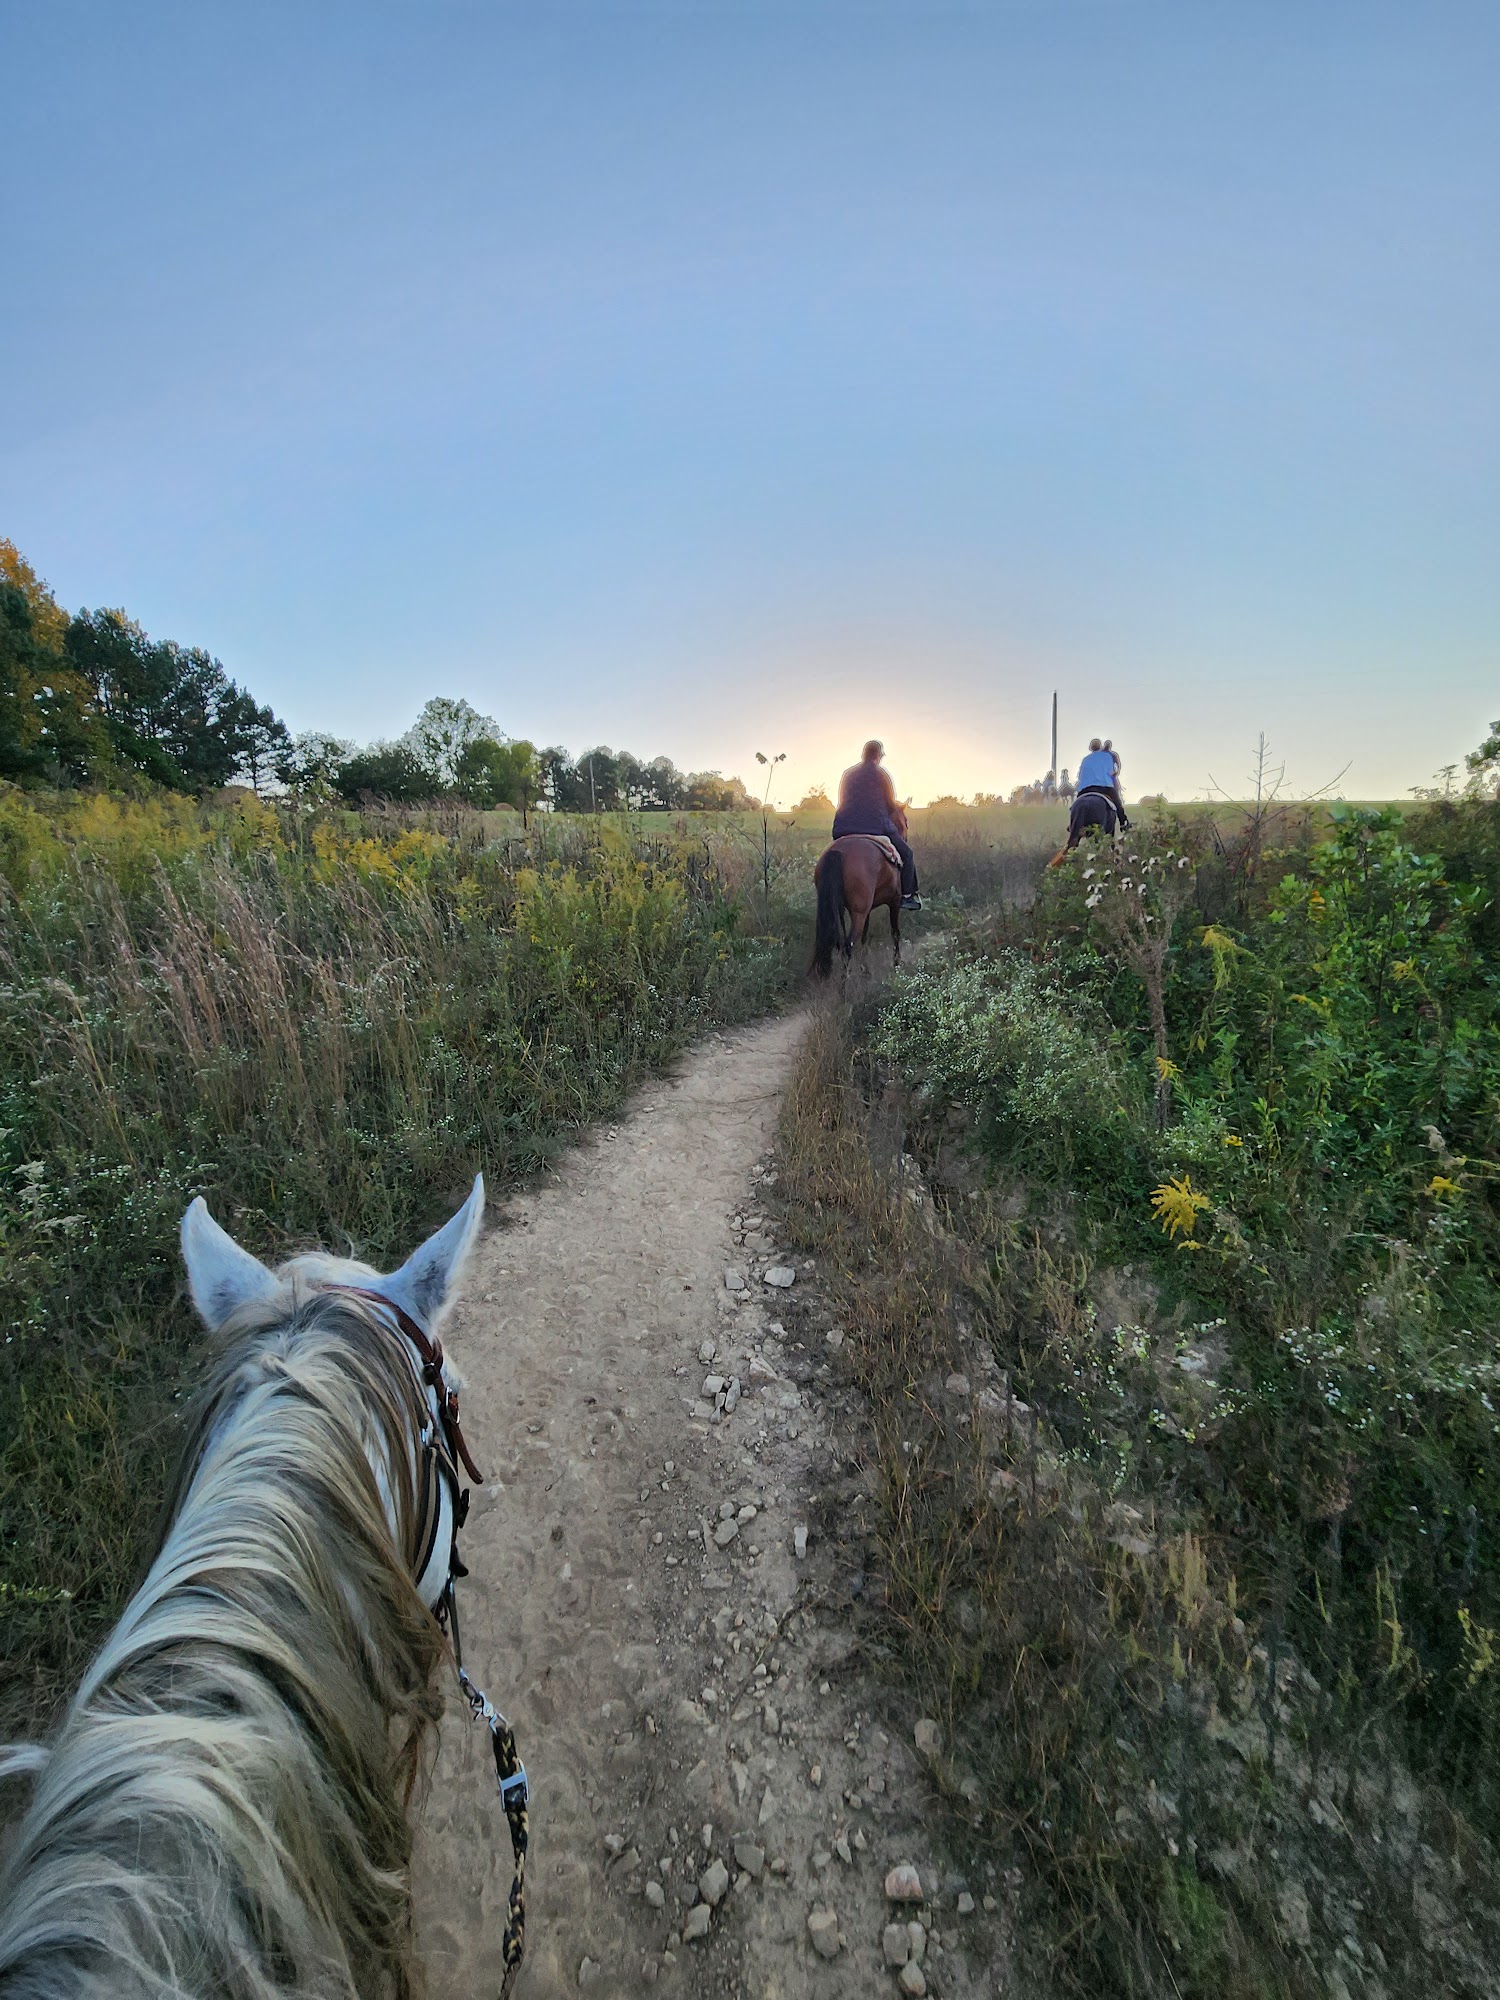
<point>910,900</point>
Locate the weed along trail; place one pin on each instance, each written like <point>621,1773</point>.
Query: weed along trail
<point>654,1598</point>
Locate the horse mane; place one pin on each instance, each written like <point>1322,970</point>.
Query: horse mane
<point>223,1810</point>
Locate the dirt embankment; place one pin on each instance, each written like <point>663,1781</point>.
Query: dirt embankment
<point>659,1567</point>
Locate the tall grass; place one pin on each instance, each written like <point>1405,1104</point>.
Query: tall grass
<point>324,1026</point>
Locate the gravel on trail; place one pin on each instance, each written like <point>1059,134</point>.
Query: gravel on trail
<point>719,1790</point>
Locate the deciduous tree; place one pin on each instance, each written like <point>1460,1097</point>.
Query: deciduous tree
<point>50,732</point>
<point>312,761</point>
<point>493,773</point>
<point>441,734</point>
<point>393,771</point>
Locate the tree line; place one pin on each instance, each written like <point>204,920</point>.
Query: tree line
<point>91,699</point>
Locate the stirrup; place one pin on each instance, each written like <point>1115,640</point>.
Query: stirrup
<point>913,902</point>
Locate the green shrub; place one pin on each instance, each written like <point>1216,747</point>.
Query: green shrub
<point>1314,1164</point>
<point>996,1036</point>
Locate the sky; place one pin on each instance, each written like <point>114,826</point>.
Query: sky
<point>728,375</point>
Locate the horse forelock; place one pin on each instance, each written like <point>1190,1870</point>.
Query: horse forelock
<point>223,1808</point>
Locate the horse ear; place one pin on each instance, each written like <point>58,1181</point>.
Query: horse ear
<point>221,1276</point>
<point>425,1282</point>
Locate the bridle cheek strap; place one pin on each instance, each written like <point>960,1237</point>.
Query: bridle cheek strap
<point>430,1352</point>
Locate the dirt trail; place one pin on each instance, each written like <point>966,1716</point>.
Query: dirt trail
<point>665,1671</point>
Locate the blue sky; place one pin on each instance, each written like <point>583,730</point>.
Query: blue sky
<point>705,378</point>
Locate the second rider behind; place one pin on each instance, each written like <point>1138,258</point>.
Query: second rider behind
<point>1100,772</point>
<point>867,804</point>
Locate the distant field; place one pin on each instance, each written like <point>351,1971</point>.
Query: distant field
<point>1008,825</point>
<point>972,850</point>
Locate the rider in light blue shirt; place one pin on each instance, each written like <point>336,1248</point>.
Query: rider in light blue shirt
<point>1099,771</point>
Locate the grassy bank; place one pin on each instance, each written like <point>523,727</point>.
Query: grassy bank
<point>1189,1168</point>
<point>1191,1811</point>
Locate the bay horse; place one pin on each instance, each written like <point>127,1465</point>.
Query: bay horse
<point>223,1809</point>
<point>855,876</point>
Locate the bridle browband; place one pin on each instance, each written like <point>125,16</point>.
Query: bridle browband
<point>442,1457</point>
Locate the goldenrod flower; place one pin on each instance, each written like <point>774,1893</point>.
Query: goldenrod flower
<point>1441,1188</point>
<point>1479,1645</point>
<point>1218,939</point>
<point>1178,1204</point>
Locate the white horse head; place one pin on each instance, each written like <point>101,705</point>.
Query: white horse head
<point>222,1810</point>
<point>226,1281</point>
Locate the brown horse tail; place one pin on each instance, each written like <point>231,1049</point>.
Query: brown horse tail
<point>830,935</point>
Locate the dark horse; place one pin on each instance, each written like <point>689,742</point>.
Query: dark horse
<point>855,876</point>
<point>1093,812</point>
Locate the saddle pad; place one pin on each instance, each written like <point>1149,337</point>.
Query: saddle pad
<point>881,840</point>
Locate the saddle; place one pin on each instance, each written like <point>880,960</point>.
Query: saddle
<point>882,841</point>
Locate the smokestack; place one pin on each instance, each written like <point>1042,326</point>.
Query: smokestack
<point>1054,733</point>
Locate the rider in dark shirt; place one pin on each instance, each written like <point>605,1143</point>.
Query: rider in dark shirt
<point>867,804</point>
